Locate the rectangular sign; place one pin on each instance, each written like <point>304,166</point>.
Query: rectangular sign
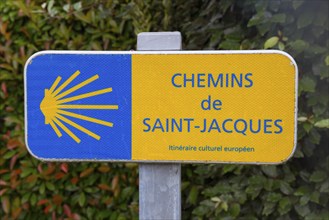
<point>164,106</point>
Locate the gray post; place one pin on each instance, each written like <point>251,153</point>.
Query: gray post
<point>159,184</point>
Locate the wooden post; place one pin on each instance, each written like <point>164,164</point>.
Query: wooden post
<point>159,184</point>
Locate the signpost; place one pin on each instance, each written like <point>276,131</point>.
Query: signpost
<point>161,106</point>
<point>159,184</point>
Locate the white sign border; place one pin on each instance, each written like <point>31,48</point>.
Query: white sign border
<point>78,52</point>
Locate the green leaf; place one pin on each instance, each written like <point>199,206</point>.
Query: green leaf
<point>50,186</point>
<point>307,84</point>
<point>278,18</point>
<point>285,188</point>
<point>51,10</point>
<point>44,5</point>
<point>271,42</point>
<point>281,46</point>
<point>273,197</point>
<point>26,197</point>
<point>315,197</point>
<point>120,217</point>
<point>318,176</point>
<point>319,109</point>
<point>302,119</point>
<point>284,205</point>
<point>322,123</point>
<point>307,126</point>
<point>304,200</point>
<point>215,199</point>
<point>256,19</point>
<point>297,4</point>
<point>50,5</point>
<point>270,170</point>
<point>228,168</point>
<point>200,211</point>
<point>9,154</point>
<point>82,199</point>
<point>303,190</point>
<point>235,210</point>
<point>224,206</point>
<point>27,171</point>
<point>33,199</point>
<point>314,136</point>
<point>77,6</point>
<point>327,60</point>
<point>325,187</point>
<point>268,208</point>
<point>298,153</point>
<point>66,7</point>
<point>42,188</point>
<point>302,210</point>
<point>305,19</point>
<point>127,192</point>
<point>81,16</point>
<point>299,45</point>
<point>193,195</point>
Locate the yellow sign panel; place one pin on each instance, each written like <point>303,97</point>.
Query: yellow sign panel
<point>214,106</point>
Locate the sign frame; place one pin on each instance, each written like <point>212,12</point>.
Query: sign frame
<point>162,53</point>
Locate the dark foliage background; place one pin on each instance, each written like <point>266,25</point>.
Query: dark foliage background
<point>299,189</point>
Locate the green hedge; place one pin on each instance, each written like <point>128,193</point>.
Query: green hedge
<point>298,189</point>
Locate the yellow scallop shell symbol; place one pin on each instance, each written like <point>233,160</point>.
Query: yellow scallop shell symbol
<point>55,108</point>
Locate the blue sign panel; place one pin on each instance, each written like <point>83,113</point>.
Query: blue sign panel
<point>79,106</point>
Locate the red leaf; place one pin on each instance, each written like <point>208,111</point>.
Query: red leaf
<point>31,178</point>
<point>5,204</point>
<point>59,175</point>
<point>9,109</point>
<point>67,210</point>
<point>104,169</point>
<point>17,171</point>
<point>13,161</point>
<point>51,168</point>
<point>93,202</point>
<point>3,183</point>
<point>74,180</point>
<point>42,201</point>
<point>16,212</point>
<point>3,191</point>
<point>40,168</point>
<point>53,216</point>
<point>104,186</point>
<point>57,199</point>
<point>26,206</point>
<point>4,89</point>
<point>108,201</point>
<point>6,136</point>
<point>75,216</point>
<point>115,182</point>
<point>64,167</point>
<point>116,192</point>
<point>12,143</point>
<point>3,171</point>
<point>14,183</point>
<point>47,45</point>
<point>46,210</point>
<point>22,51</point>
<point>87,172</point>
